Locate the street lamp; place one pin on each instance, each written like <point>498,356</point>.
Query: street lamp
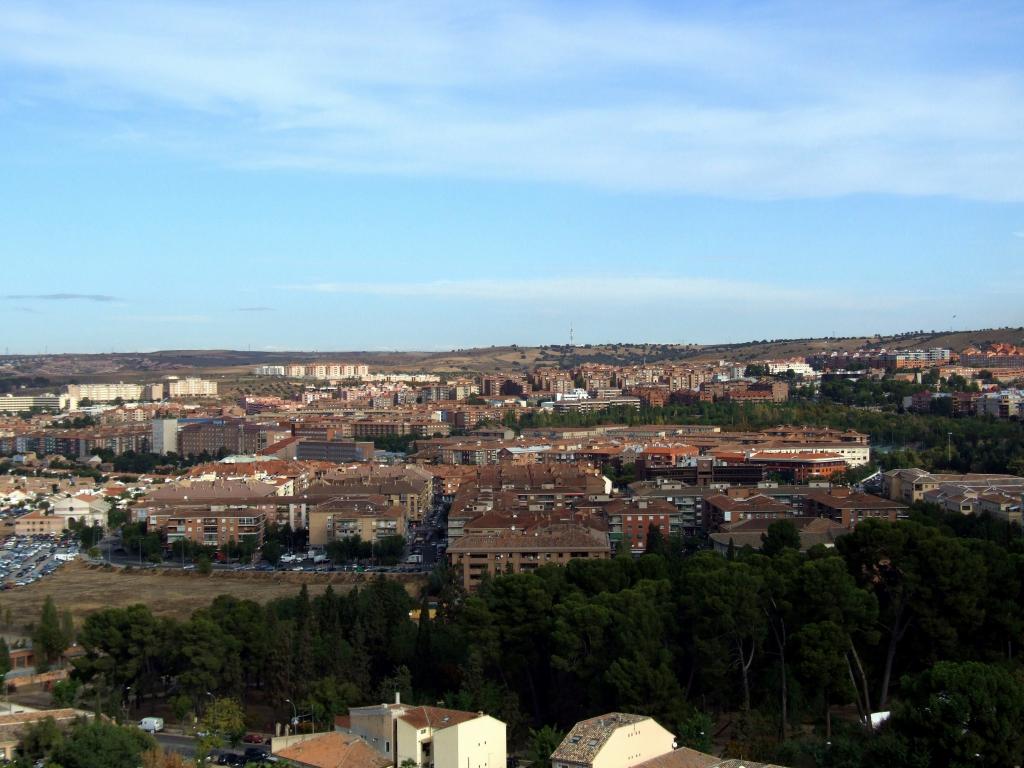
<point>295,712</point>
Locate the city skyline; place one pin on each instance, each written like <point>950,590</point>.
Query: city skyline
<point>396,177</point>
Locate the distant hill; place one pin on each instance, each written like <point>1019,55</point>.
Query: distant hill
<point>141,365</point>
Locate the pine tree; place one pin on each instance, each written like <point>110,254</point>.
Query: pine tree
<point>49,640</point>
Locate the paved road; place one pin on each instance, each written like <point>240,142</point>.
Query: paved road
<point>183,745</point>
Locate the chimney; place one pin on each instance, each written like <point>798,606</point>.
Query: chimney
<point>398,697</point>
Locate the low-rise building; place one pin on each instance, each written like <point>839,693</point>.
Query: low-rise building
<point>750,533</point>
<point>473,555</point>
<point>209,525</point>
<point>369,517</point>
<point>39,523</point>
<point>630,521</point>
<point>848,508</point>
<point>614,740</point>
<point>430,737</point>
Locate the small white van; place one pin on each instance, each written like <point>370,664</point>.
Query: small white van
<point>151,724</point>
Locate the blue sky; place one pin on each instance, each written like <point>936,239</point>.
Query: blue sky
<point>433,175</point>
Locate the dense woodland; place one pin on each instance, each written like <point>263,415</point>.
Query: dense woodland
<point>774,656</point>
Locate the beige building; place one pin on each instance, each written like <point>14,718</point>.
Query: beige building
<point>39,523</point>
<point>475,554</point>
<point>88,509</point>
<point>192,387</point>
<point>431,737</point>
<point>106,393</point>
<point>615,740</point>
<point>369,518</point>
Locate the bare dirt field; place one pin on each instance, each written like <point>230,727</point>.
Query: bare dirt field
<point>83,589</point>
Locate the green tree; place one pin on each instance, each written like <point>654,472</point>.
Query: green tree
<point>223,722</point>
<point>5,658</point>
<point>49,640</point>
<point>963,714</point>
<point>543,742</point>
<point>65,692</point>
<point>40,739</point>
<point>781,535</point>
<point>100,744</point>
<point>656,544</point>
<point>724,607</point>
<point>822,664</point>
<point>929,588</point>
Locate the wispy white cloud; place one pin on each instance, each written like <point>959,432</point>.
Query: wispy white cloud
<point>612,291</point>
<point>757,104</point>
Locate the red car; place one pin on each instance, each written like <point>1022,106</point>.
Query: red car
<point>252,738</point>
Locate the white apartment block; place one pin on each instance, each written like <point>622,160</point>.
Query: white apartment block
<point>192,387</point>
<point>270,370</point>
<point>799,367</point>
<point>20,403</point>
<point>325,371</point>
<point>106,393</point>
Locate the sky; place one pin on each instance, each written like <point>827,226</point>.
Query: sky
<point>453,173</point>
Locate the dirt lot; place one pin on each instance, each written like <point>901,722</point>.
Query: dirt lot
<point>83,589</point>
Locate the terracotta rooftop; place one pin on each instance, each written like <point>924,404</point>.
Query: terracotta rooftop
<point>689,758</point>
<point>555,537</point>
<point>334,750</point>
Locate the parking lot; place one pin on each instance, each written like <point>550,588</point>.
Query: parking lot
<point>27,559</point>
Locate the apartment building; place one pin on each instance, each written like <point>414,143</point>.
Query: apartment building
<point>701,470</point>
<point>631,520</point>
<point>473,555</point>
<point>993,356</point>
<point>191,387</point>
<point>848,508</point>
<point>429,737</point>
<point>336,451</point>
<point>916,358</point>
<point>721,509</point>
<point>593,405</point>
<point>1005,404</point>
<point>79,443</point>
<point>799,367</point>
<point>368,517</point>
<point>211,525</point>
<point>269,370</point>
<point>405,486</point>
<point>107,393</point>
<point>21,403</point>
<point>164,437</point>
<point>214,435</point>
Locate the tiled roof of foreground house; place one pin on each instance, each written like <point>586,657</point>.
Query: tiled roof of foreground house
<point>334,750</point>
